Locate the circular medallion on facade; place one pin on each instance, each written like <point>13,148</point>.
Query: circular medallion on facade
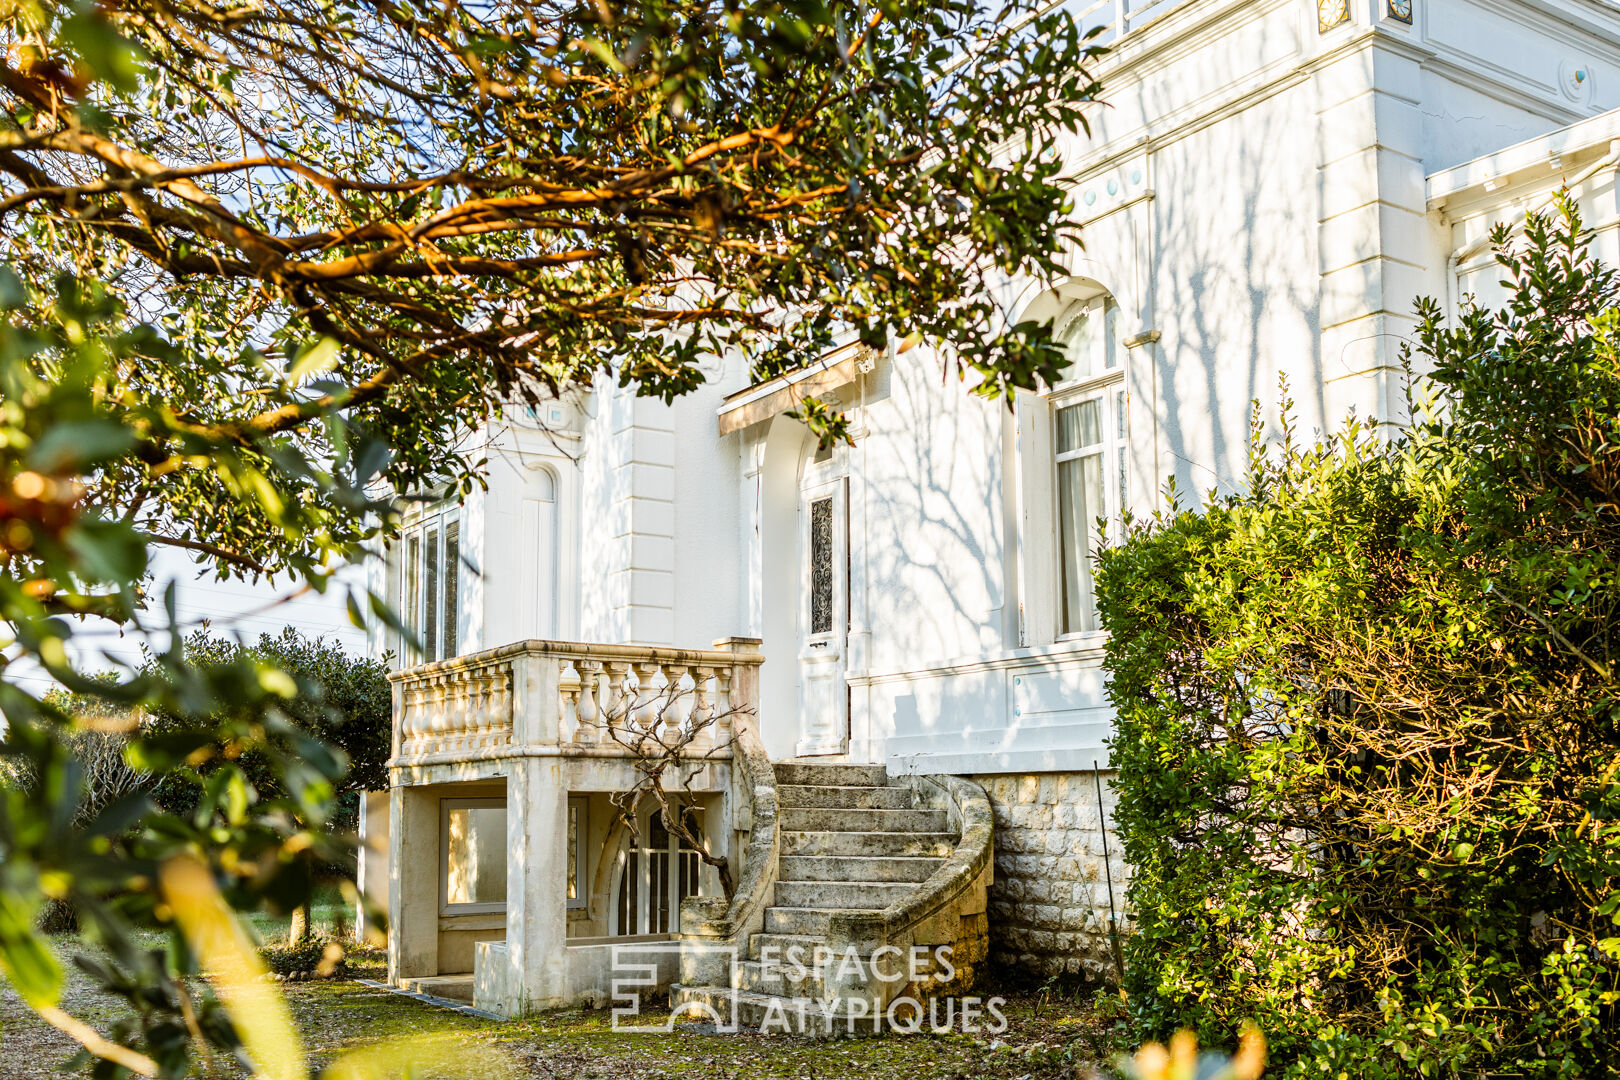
<point>1575,77</point>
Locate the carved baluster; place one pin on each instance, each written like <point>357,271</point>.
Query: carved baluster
<point>480,697</point>
<point>453,706</point>
<point>501,703</point>
<point>568,689</point>
<point>423,728</point>
<point>441,723</point>
<point>494,684</point>
<point>407,712</point>
<point>428,714</point>
<point>616,707</point>
<point>677,709</point>
<point>723,724</point>
<point>461,699</point>
<point>450,705</point>
<point>586,707</point>
<point>410,712</point>
<point>702,708</point>
<point>646,709</point>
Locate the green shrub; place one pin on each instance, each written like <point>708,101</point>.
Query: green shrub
<point>316,957</point>
<point>1368,730</point>
<point>344,700</point>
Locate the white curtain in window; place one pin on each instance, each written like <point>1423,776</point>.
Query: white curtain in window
<point>1081,501</point>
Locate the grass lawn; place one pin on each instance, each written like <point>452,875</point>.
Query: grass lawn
<point>1049,1036</point>
<point>328,911</point>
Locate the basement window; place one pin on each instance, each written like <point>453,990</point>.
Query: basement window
<point>578,892</point>
<point>473,870</point>
<point>656,872</point>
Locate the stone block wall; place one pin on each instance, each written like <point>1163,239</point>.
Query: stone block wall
<point>1049,903</point>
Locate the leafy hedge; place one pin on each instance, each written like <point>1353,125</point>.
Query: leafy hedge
<point>1369,715</point>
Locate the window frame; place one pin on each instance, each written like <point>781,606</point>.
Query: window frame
<point>675,858</point>
<point>1101,383</point>
<point>446,805</point>
<point>448,592</point>
<point>580,805</point>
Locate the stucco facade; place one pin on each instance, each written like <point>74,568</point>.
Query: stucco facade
<point>1266,193</point>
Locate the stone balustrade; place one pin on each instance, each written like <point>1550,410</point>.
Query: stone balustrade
<point>599,698</point>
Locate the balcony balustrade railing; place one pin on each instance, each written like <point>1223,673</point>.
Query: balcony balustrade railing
<point>565,693</point>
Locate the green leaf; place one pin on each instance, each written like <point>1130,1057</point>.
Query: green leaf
<point>355,616</point>
<point>25,955</point>
<point>13,293</point>
<point>111,552</point>
<point>108,53</point>
<point>78,445</point>
<point>318,359</point>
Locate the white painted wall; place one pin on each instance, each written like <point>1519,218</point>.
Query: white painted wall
<point>1255,195</point>
<point>1254,198</point>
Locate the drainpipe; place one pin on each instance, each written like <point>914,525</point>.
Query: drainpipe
<point>1467,252</point>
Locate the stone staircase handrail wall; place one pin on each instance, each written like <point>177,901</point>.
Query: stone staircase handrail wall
<point>929,915</point>
<point>593,697</point>
<point>715,931</point>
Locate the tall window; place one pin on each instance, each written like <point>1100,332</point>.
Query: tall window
<point>430,577</point>
<point>1089,451</point>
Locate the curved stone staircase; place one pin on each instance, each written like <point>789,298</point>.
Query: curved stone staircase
<point>868,871</point>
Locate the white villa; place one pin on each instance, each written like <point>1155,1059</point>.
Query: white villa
<point>906,625</point>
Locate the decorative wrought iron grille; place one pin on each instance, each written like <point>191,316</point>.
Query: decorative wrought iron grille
<point>821,566</point>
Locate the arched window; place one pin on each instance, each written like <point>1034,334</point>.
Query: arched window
<point>1090,462</point>
<point>538,571</point>
<point>657,872</point>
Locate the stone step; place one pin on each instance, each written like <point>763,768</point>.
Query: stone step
<point>809,772</point>
<point>797,921</point>
<point>855,798</point>
<point>763,1012</point>
<point>841,895</point>
<point>779,944</point>
<point>793,980</point>
<point>825,819</point>
<point>449,987</point>
<point>897,844</point>
<point>856,868</point>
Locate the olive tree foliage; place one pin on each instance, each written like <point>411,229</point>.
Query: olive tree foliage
<point>63,558</point>
<point>351,708</point>
<point>418,211</point>
<point>262,261</point>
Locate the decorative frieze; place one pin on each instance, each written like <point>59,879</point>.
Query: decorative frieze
<point>1331,13</point>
